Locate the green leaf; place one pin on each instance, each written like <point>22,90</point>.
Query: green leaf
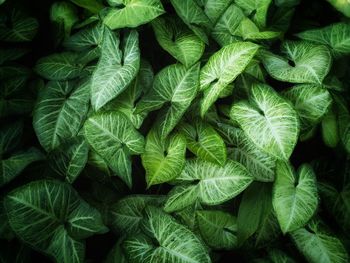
<point>304,62</point>
<point>11,54</point>
<point>172,242</point>
<point>311,102</point>
<point>217,228</point>
<point>249,31</point>
<point>14,165</point>
<point>278,256</point>
<point>194,17</point>
<point>20,28</point>
<point>127,214</point>
<point>163,160</point>
<point>132,13</point>
<point>294,196</point>
<point>60,112</point>
<point>115,139</point>
<point>222,68</point>
<point>175,85</point>
<point>116,255</point>
<point>330,133</point>
<point>51,217</point>
<point>253,209</point>
<point>60,66</point>
<point>256,9</point>
<point>208,183</point>
<point>10,135</point>
<point>260,164</point>
<point>117,67</point>
<point>268,121</point>
<point>70,158</point>
<point>318,245</point>
<point>342,6</point>
<point>204,142</point>
<point>174,37</point>
<point>335,36</point>
<point>94,6</point>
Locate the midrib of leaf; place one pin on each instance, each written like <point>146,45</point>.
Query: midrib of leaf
<point>106,131</point>
<point>177,254</point>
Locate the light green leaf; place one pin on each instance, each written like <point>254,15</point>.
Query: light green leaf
<point>70,158</point>
<point>175,85</point>
<point>194,17</point>
<point>163,160</point>
<point>342,6</point>
<point>114,138</point>
<point>174,37</point>
<point>256,9</point>
<point>294,196</point>
<point>127,213</point>
<point>173,242</point>
<point>60,112</point>
<point>204,142</point>
<point>255,206</point>
<point>22,28</point>
<point>16,163</point>
<point>268,120</point>
<point>227,29</point>
<point>222,68</point>
<point>249,31</point>
<point>311,102</point>
<point>304,62</point>
<point>132,13</point>
<point>214,8</point>
<point>208,183</point>
<point>94,6</point>
<point>218,228</point>
<point>117,67</point>
<point>318,245</point>
<point>335,36</point>
<point>50,216</point>
<point>60,66</point>
<point>260,164</point>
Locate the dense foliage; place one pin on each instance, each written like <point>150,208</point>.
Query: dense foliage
<point>175,131</point>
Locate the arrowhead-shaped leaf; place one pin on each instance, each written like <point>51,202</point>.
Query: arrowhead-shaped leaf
<point>268,120</point>
<point>222,68</point>
<point>295,197</point>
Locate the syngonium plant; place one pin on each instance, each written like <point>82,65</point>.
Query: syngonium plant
<point>185,131</point>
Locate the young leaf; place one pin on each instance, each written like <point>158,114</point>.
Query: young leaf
<point>114,138</point>
<point>127,13</point>
<point>335,36</point>
<point>303,63</point>
<point>208,183</point>
<point>117,67</point>
<point>58,216</point>
<point>127,213</point>
<point>173,242</point>
<point>318,245</point>
<point>175,85</point>
<point>222,68</point>
<point>163,160</point>
<point>268,121</point>
<point>204,142</point>
<point>294,196</point>
<point>60,112</point>
<point>178,40</point>
<point>217,228</point>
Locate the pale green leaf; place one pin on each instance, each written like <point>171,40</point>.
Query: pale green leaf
<point>175,85</point>
<point>342,6</point>
<point>117,67</point>
<point>60,112</point>
<point>249,31</point>
<point>222,68</point>
<point>173,242</point>
<point>49,216</point>
<point>256,9</point>
<point>163,160</point>
<point>115,139</point>
<point>294,196</point>
<point>214,8</point>
<point>304,62</point>
<point>132,13</point>
<point>218,228</point>
<point>204,142</point>
<point>208,183</point>
<point>268,120</point>
<point>318,245</point>
<point>174,37</point>
<point>127,213</point>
